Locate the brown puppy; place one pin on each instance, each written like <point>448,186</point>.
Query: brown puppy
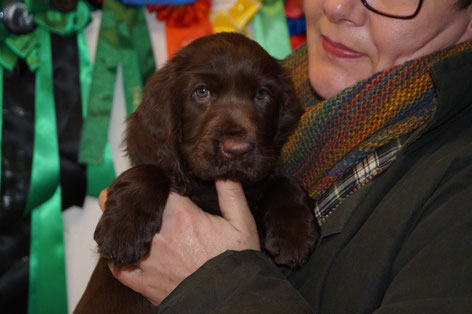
<point>221,108</point>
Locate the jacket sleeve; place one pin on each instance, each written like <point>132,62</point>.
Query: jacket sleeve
<point>236,282</point>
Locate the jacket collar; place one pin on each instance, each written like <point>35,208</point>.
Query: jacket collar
<point>452,77</point>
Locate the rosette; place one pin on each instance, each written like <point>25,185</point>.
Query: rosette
<point>183,23</point>
<point>182,15</point>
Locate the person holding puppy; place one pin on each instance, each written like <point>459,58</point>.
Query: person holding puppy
<point>385,149</point>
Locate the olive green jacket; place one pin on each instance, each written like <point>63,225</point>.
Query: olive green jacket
<point>400,244</point>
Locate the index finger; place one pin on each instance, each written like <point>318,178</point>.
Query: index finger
<point>233,204</point>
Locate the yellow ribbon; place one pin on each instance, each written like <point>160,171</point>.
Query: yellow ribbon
<point>237,17</point>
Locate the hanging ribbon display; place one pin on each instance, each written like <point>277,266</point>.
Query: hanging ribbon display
<point>47,281</point>
<point>237,17</point>
<point>270,29</point>
<point>183,23</point>
<point>123,40</point>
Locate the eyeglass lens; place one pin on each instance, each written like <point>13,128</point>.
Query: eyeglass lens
<point>400,8</point>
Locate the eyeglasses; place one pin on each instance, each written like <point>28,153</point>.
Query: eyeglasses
<point>399,9</point>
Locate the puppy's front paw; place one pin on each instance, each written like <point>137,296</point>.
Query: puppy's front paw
<point>133,214</point>
<point>290,239</point>
<point>122,239</point>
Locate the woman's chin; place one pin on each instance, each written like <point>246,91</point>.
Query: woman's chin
<point>327,80</point>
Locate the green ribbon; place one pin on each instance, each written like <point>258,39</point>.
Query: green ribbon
<point>7,57</point>
<point>27,47</point>
<point>98,176</point>
<point>1,122</point>
<point>270,29</point>
<point>47,282</point>
<point>123,40</point>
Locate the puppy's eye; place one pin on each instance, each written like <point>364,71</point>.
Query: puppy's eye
<point>202,93</point>
<point>261,94</point>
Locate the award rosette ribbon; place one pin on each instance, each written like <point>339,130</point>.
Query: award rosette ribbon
<point>183,23</point>
<point>44,66</point>
<point>123,41</point>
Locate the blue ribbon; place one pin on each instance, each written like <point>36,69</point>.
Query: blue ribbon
<point>296,26</point>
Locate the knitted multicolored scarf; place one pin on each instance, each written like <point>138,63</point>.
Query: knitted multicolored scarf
<point>335,134</point>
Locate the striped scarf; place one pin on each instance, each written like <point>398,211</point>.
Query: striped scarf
<point>335,134</point>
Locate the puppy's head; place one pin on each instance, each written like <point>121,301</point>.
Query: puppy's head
<point>221,107</point>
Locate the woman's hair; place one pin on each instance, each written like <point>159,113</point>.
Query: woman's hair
<point>464,3</point>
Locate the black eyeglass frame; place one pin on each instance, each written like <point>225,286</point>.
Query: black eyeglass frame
<point>368,6</point>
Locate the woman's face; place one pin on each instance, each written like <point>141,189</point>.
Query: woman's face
<point>347,42</point>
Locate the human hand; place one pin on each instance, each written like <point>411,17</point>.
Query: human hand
<point>188,238</point>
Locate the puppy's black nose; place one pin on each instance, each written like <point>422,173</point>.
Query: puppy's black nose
<point>235,148</point>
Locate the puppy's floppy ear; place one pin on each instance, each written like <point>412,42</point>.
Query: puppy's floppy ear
<point>290,109</point>
<point>154,130</point>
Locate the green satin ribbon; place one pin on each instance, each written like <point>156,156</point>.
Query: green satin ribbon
<point>1,122</point>
<point>270,29</point>
<point>98,176</point>
<point>47,278</point>
<point>26,47</point>
<point>123,40</point>
<point>7,57</point>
